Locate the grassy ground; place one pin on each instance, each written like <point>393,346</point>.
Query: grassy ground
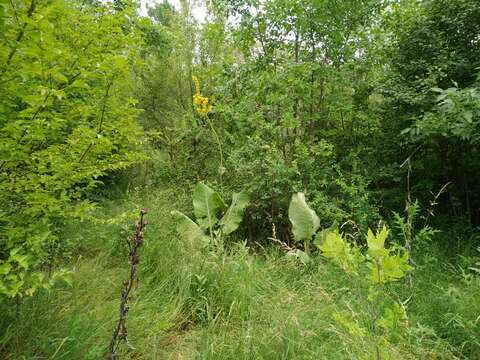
<point>238,304</point>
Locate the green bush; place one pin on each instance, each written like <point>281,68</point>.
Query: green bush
<point>67,118</point>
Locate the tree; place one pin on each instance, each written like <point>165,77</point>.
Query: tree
<point>430,90</point>
<point>67,118</point>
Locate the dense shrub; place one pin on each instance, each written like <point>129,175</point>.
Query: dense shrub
<point>67,117</point>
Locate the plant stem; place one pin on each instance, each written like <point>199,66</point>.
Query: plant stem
<point>120,332</point>
<point>220,150</point>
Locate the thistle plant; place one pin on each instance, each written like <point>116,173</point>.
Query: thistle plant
<point>120,332</point>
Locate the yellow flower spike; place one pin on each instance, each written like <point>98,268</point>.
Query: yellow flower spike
<point>202,105</point>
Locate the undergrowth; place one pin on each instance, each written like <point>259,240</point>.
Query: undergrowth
<point>234,304</point>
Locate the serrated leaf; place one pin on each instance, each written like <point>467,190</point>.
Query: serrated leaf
<point>336,248</point>
<point>321,236</point>
<point>376,243</point>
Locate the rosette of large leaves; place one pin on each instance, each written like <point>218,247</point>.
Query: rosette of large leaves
<point>211,214</point>
<point>208,206</point>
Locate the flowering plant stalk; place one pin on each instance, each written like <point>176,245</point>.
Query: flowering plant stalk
<point>120,332</point>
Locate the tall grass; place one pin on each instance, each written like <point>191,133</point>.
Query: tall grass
<point>238,304</point>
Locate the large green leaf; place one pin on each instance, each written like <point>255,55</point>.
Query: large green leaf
<point>207,205</point>
<point>305,221</point>
<point>376,243</point>
<point>335,247</point>
<point>233,217</point>
<point>384,265</point>
<point>188,229</point>
<point>321,236</point>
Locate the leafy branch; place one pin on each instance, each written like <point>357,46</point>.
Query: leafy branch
<point>19,37</point>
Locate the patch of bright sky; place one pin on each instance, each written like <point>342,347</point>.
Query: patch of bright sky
<point>198,8</point>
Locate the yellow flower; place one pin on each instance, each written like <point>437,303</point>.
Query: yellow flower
<point>201,103</point>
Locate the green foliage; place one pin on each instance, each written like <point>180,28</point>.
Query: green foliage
<point>305,221</point>
<point>191,232</point>
<point>325,98</point>
<point>334,247</point>
<point>431,99</point>
<point>212,215</point>
<point>207,205</point>
<point>286,118</point>
<point>243,304</point>
<point>383,266</point>
<point>455,115</point>
<point>240,302</point>
<point>164,89</point>
<point>476,267</point>
<point>67,118</point>
<point>234,214</point>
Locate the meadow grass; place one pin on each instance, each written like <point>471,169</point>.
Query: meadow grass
<point>239,303</point>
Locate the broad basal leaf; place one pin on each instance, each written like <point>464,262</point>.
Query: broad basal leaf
<point>300,255</point>
<point>305,221</point>
<point>189,230</point>
<point>233,217</point>
<point>207,205</point>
